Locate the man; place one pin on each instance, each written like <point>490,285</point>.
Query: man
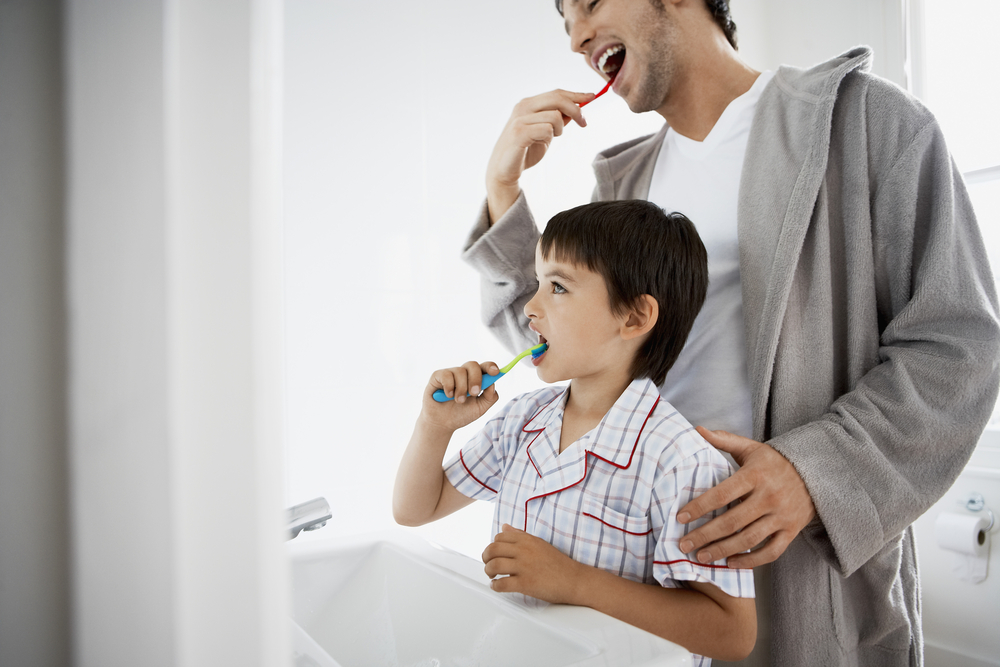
<point>848,351</point>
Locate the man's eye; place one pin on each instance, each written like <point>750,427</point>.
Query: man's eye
<point>590,7</point>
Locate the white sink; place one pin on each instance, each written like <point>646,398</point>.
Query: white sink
<point>395,599</point>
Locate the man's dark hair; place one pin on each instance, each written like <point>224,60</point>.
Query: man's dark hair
<point>638,249</point>
<point>718,8</point>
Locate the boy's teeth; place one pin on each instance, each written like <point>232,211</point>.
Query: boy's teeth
<point>607,54</point>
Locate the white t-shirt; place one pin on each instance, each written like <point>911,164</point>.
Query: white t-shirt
<point>708,384</point>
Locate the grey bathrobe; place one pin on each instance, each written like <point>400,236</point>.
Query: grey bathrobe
<point>871,333</point>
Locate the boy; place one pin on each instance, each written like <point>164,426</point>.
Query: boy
<point>588,478</point>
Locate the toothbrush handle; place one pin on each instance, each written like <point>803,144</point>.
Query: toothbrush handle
<point>441,397</point>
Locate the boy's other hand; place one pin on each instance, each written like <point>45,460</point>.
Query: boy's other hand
<point>774,506</point>
<point>463,385</point>
<point>533,567</point>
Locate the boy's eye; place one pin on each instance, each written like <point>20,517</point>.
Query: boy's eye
<point>558,289</point>
<point>593,4</point>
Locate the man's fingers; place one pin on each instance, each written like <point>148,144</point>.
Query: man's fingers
<point>766,554</point>
<point>731,544</point>
<point>726,524</point>
<point>566,102</point>
<point>717,497</point>
<point>537,129</point>
<point>736,445</point>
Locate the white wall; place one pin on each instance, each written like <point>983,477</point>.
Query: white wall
<point>392,110</point>
<point>174,287</point>
<point>806,32</point>
<point>140,322</point>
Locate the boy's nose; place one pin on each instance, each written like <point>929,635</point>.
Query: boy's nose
<point>530,308</point>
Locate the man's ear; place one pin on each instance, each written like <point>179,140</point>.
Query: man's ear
<point>641,318</point>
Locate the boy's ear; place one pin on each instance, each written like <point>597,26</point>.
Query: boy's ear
<point>641,318</point>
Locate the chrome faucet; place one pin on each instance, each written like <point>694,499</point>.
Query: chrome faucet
<point>310,515</point>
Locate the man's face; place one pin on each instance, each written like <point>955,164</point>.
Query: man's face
<point>635,41</point>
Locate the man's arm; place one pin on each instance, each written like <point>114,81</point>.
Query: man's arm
<point>502,243</point>
<point>504,256</point>
<point>702,618</point>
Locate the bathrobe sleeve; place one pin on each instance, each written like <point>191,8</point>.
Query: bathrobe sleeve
<point>504,255</point>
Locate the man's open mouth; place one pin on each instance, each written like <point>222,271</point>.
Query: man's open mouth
<point>612,60</point>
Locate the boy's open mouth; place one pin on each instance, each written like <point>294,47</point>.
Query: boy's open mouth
<point>612,60</point>
<point>537,360</point>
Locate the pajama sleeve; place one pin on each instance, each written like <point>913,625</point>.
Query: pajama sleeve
<point>477,470</point>
<point>676,487</point>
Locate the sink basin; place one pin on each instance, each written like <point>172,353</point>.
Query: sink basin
<point>395,599</point>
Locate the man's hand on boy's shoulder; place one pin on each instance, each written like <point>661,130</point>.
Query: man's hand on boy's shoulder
<point>463,385</point>
<point>774,506</point>
<point>531,566</point>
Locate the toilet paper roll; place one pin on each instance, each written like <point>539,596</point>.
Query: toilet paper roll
<point>962,533</point>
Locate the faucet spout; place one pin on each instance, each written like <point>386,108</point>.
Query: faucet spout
<point>310,515</point>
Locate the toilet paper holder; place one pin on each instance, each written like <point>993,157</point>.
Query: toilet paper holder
<point>967,536</point>
<point>976,503</point>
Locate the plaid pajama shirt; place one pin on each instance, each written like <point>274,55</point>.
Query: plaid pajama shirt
<point>610,500</point>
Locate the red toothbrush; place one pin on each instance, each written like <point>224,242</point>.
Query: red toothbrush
<point>603,90</point>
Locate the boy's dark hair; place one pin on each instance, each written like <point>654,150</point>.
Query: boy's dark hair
<point>638,249</point>
<point>719,9</point>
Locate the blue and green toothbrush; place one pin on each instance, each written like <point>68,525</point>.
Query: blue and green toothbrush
<point>535,352</point>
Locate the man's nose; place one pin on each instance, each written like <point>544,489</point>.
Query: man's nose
<point>580,34</point>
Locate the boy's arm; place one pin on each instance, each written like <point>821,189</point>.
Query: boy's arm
<point>702,618</point>
<point>422,493</point>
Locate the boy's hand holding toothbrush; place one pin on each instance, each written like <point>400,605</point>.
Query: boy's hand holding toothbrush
<point>456,397</point>
<point>464,385</point>
<point>453,398</point>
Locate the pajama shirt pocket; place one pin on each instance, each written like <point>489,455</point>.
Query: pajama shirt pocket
<point>616,542</point>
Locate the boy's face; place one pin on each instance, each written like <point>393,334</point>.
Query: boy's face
<point>572,313</point>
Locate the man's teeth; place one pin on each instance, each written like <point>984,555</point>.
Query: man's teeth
<point>603,60</point>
